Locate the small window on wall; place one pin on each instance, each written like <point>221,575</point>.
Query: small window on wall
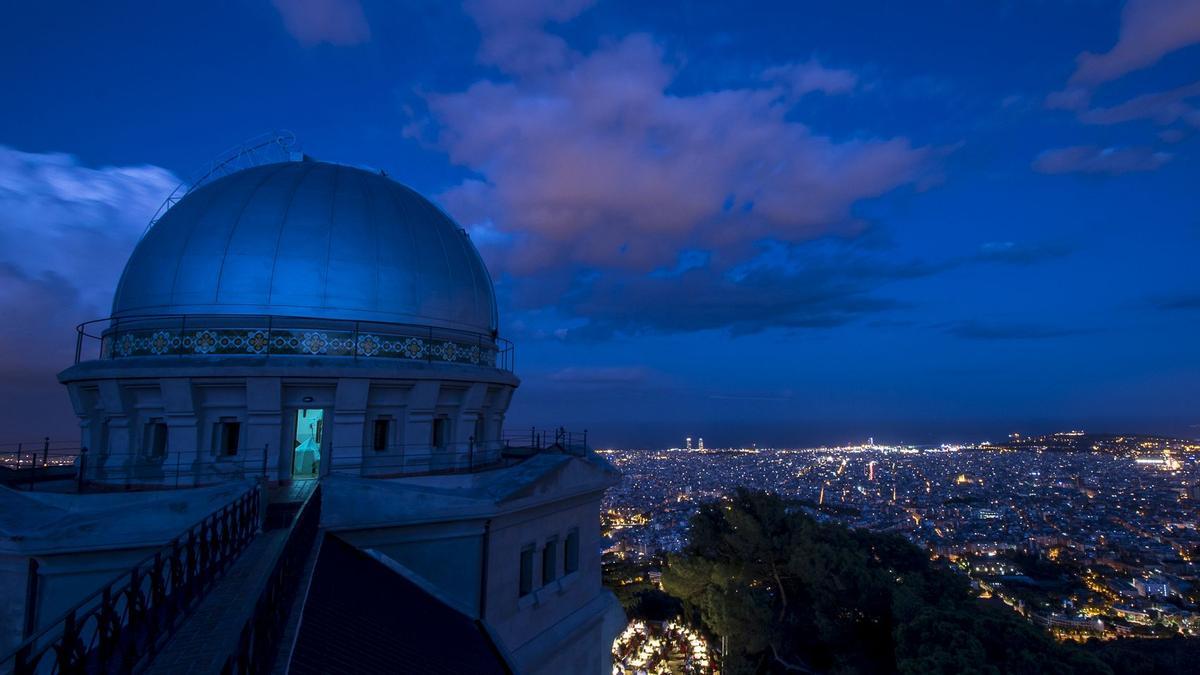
<point>379,435</point>
<point>478,435</point>
<point>526,583</point>
<point>156,439</point>
<point>571,551</point>
<point>550,561</point>
<point>229,432</point>
<point>441,432</point>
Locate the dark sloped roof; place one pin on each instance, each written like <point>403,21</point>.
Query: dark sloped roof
<point>362,617</point>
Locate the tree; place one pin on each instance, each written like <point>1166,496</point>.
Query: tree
<point>792,595</point>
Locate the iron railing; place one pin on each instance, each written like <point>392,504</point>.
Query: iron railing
<point>259,641</point>
<point>570,442</point>
<point>130,618</point>
<point>277,146</point>
<point>179,335</point>
<point>61,467</point>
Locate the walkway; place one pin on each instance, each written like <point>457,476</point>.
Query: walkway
<point>210,634</point>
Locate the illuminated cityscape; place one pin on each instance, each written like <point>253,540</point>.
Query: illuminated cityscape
<point>1096,541</point>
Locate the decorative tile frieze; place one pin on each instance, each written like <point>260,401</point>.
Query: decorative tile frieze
<point>293,341</point>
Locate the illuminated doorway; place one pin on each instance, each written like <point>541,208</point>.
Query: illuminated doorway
<point>306,448</point>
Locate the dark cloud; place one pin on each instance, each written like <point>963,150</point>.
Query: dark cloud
<point>812,285</point>
<point>977,330</point>
<point>1097,160</point>
<point>1017,253</point>
<point>65,233</point>
<point>1182,301</point>
<point>602,375</point>
<point>1163,107</point>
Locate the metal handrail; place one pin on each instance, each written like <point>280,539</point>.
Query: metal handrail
<point>258,641</point>
<point>277,325</point>
<point>282,139</point>
<point>132,616</point>
<point>110,470</point>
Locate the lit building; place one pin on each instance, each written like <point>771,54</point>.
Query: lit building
<point>324,340</point>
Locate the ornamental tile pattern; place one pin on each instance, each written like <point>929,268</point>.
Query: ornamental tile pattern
<point>282,341</point>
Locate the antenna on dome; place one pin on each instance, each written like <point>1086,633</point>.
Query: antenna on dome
<point>269,148</point>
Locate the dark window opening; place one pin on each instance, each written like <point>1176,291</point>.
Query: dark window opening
<point>380,436</point>
<point>526,586</point>
<point>230,436</point>
<point>441,432</point>
<point>550,561</point>
<point>571,551</point>
<point>478,436</point>
<point>156,439</point>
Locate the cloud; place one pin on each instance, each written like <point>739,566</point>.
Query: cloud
<point>1150,29</point>
<point>810,76</point>
<point>808,285</point>
<point>602,375</point>
<point>1163,108</point>
<point>597,164</point>
<point>336,22</point>
<point>1020,254</point>
<point>514,36</point>
<point>1093,159</point>
<point>593,177</point>
<point>975,330</point>
<point>65,233</point>
<point>1181,301</point>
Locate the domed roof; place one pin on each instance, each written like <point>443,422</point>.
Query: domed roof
<point>309,239</point>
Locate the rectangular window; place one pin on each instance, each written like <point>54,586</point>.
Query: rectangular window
<point>571,551</point>
<point>526,571</point>
<point>156,439</point>
<point>380,436</point>
<point>478,435</point>
<point>441,432</point>
<point>550,561</point>
<point>230,436</point>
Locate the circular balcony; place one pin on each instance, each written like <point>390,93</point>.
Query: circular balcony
<point>200,335</point>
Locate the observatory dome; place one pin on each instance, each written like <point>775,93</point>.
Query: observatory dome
<point>309,239</point>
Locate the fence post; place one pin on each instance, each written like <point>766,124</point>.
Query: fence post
<point>32,464</point>
<point>264,467</point>
<point>471,453</point>
<point>45,451</point>
<point>82,477</point>
<point>31,597</point>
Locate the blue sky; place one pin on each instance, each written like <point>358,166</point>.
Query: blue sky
<point>780,223</point>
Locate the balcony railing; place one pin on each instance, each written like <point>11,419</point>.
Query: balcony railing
<point>58,466</point>
<point>179,335</point>
<point>258,643</point>
<point>119,626</point>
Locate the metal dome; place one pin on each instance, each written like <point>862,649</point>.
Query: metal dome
<point>309,239</point>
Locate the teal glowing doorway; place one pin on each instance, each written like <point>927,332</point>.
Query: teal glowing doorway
<point>306,449</point>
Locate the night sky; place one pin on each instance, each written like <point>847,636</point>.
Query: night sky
<point>783,223</point>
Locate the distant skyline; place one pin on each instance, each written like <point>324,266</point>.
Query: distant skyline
<point>780,223</point>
